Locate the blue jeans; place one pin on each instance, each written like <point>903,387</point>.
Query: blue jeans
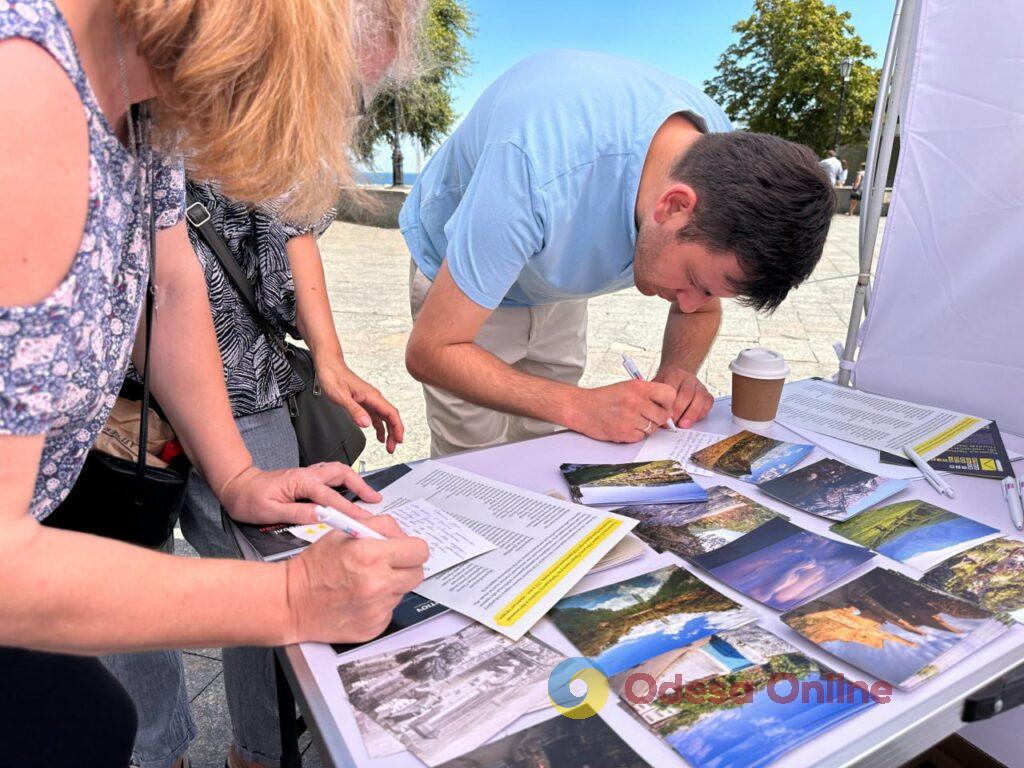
<point>156,680</point>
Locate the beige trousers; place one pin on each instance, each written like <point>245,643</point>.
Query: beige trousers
<point>548,341</point>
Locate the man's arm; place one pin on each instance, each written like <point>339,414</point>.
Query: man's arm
<point>688,338</point>
<point>441,352</point>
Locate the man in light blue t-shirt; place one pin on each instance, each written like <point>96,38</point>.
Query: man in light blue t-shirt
<point>578,174</point>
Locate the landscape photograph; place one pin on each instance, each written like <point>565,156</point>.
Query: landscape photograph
<point>751,457</point>
<point>756,727</point>
<point>892,627</point>
<point>647,481</point>
<point>624,624</point>
<point>914,532</point>
<point>781,564</point>
<point>832,489</point>
<point>704,526</point>
<point>560,742</point>
<point>990,575</point>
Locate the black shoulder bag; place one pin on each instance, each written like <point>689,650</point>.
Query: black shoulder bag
<point>324,430</point>
<point>122,499</point>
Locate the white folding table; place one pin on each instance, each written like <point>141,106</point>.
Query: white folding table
<point>885,735</point>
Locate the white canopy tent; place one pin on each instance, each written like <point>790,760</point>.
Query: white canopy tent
<point>943,323</point>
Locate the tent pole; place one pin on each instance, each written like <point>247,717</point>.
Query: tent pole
<point>883,131</point>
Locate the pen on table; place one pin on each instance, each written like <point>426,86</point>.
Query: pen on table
<point>634,373</point>
<point>930,474</point>
<point>342,522</point>
<point>1013,501</point>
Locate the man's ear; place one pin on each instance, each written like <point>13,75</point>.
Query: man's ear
<point>675,206</point>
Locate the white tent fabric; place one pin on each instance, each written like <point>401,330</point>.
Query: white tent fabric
<point>946,319</point>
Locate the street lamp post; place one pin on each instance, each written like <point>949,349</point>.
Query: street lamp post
<point>845,68</point>
<point>397,172</point>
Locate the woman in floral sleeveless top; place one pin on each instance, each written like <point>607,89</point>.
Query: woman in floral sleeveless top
<point>74,268</point>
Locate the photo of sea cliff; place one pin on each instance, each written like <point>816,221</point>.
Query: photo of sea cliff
<point>751,457</point>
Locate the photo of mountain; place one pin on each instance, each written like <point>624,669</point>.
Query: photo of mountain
<point>781,564</point>
<point>691,529</point>
<point>624,624</point>
<point>740,714</point>
<point>661,481</point>
<point>990,575</point>
<point>832,489</point>
<point>751,457</point>
<point>914,532</point>
<point>894,628</point>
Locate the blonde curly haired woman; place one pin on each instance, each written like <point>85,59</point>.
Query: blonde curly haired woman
<point>257,94</point>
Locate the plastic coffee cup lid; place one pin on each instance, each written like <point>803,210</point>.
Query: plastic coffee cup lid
<point>760,363</point>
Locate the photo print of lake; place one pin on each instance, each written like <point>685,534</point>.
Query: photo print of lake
<point>640,482</point>
<point>751,457</point>
<point>710,728</point>
<point>990,575</point>
<point>560,742</point>
<point>832,489</point>
<point>691,529</point>
<point>914,532</point>
<point>781,564</point>
<point>895,628</point>
<point>624,624</point>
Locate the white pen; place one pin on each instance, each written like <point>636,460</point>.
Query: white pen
<point>634,373</point>
<point>930,474</point>
<point>1013,501</point>
<point>342,522</point>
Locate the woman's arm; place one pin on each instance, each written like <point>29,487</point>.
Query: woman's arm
<point>316,323</point>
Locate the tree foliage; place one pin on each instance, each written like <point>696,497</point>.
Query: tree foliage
<point>782,75</point>
<point>422,107</point>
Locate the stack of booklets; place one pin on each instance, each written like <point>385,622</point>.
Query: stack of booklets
<point>981,454</point>
<point>751,457</point>
<point>781,564</point>
<point>635,483</point>
<point>895,628</point>
<point>692,529</point>
<point>831,489</point>
<point>739,698</point>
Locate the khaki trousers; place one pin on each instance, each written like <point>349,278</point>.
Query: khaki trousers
<point>549,341</point>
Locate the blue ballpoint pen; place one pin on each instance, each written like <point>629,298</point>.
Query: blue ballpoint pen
<point>634,373</point>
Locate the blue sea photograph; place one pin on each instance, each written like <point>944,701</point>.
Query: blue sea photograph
<point>624,624</point>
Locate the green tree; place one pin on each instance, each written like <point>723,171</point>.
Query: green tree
<point>782,75</point>
<point>421,108</point>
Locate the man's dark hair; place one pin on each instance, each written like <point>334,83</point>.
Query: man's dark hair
<point>764,199</point>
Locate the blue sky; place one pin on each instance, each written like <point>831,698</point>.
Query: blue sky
<point>684,37</point>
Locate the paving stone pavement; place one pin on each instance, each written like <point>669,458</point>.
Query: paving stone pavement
<point>367,273</point>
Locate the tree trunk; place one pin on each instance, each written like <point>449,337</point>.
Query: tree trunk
<point>397,172</point>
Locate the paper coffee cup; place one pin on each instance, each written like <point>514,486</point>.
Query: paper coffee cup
<point>757,378</point>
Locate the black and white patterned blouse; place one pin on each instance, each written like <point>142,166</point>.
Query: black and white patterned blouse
<point>258,376</point>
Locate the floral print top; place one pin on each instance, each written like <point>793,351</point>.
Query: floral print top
<point>63,359</point>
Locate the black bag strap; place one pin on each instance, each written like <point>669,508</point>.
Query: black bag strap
<point>140,466</point>
<point>199,219</point>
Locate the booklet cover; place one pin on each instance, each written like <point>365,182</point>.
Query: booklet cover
<point>751,457</point>
<point>560,742</point>
<point>990,575</point>
<point>914,532</point>
<point>445,697</point>
<point>410,611</point>
<point>981,454</point>
<point>895,628</point>
<point>691,529</point>
<point>832,489</point>
<point>624,624</point>
<point>781,564</point>
<point>738,699</point>
<point>637,482</point>
<point>276,542</point>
